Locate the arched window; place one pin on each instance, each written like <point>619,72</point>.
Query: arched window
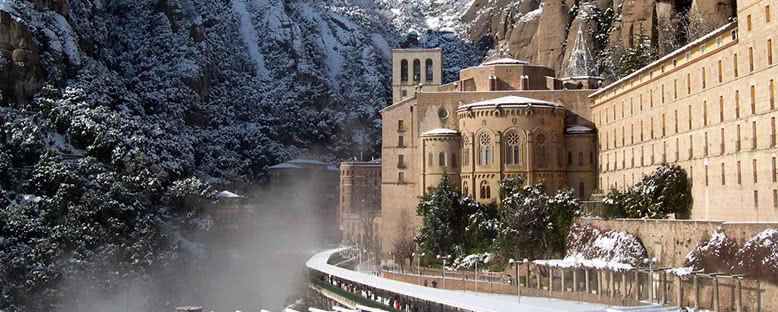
<point>428,70</point>
<point>416,70</point>
<point>453,160</point>
<point>485,191</point>
<point>404,70</point>
<point>442,159</point>
<point>430,160</point>
<point>466,151</point>
<point>540,150</point>
<point>512,148</point>
<point>465,189</point>
<point>484,149</point>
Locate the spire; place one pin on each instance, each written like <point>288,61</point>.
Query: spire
<point>581,63</point>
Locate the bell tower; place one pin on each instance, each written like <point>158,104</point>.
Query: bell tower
<point>414,68</point>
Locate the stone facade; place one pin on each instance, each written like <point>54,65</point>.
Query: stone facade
<point>708,107</point>
<point>502,118</point>
<point>360,200</point>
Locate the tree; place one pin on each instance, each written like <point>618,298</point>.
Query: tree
<point>665,191</point>
<point>369,210</point>
<point>404,242</point>
<point>445,217</point>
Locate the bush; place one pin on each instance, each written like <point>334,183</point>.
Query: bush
<point>666,191</point>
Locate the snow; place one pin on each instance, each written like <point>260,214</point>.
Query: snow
<point>306,161</point>
<point>458,299</point>
<point>579,129</point>
<point>508,101</point>
<point>228,194</point>
<point>286,166</point>
<point>532,15</point>
<point>249,35</point>
<point>504,61</point>
<point>440,132</point>
<point>578,262</point>
<point>682,271</point>
<point>381,45</point>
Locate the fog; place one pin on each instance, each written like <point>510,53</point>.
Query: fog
<point>258,264</point>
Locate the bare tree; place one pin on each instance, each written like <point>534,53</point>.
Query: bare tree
<point>369,210</point>
<point>404,243</point>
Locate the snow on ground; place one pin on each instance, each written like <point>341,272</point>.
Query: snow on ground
<point>464,300</point>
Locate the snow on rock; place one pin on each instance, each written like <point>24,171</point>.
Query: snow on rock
<point>759,256</point>
<point>470,261</point>
<point>249,35</point>
<point>587,246</point>
<point>682,271</point>
<point>717,254</point>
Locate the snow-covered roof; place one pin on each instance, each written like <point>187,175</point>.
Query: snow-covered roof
<point>508,102</point>
<point>675,53</point>
<point>375,161</point>
<point>504,61</point>
<point>227,194</point>
<point>441,132</point>
<point>305,161</point>
<point>579,129</point>
<point>286,166</point>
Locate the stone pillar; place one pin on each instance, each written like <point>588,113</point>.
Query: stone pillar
<point>550,280</point>
<point>623,285</point>
<point>586,278</point>
<point>575,281</point>
<point>696,293</point>
<point>716,301</point>
<point>637,285</point>
<point>540,277</point>
<point>664,287</point>
<point>562,274</point>
<point>610,283</point>
<point>739,296</point>
<point>599,283</point>
<point>679,291</point>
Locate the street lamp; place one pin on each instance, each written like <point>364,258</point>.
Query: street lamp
<point>444,267</point>
<point>418,264</point>
<point>650,262</point>
<point>518,280</point>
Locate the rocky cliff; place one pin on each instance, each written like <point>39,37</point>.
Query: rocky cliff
<point>544,32</point>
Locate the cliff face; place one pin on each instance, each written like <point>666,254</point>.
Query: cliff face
<point>544,32</point>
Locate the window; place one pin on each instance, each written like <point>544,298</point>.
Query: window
<point>721,76</point>
<point>775,171</point>
<point>416,70</point>
<point>721,109</point>
<point>580,158</point>
<point>753,100</point>
<point>581,190</point>
<point>400,141</point>
<point>734,64</point>
<point>775,199</point>
<point>756,199</point>
<point>688,83</point>
<point>723,142</point>
<point>641,131</point>
<point>428,70</point>
<point>753,169</point>
<point>723,171</point>
<point>652,128</point>
<point>750,59</point>
<point>677,150</point>
<point>691,147</point>
<point>430,160</point>
<point>663,125</point>
<point>737,104</point>
<point>569,158</point>
<point>690,117</point>
<point>739,178</point>
<point>400,161</point>
<point>767,14</point>
<point>484,149</point>
<point>513,148</point>
<point>753,135</point>
<point>769,51</point>
<point>706,175</point>
<point>772,95</point>
<point>748,22</point>
<point>400,125</point>
<point>663,95</point>
<point>704,113</point>
<point>737,142</point>
<point>453,160</point>
<point>591,158</point>
<point>442,159</point>
<point>404,93</point>
<point>772,131</point>
<point>705,147</point>
<point>401,177</point>
<point>675,89</point>
<point>486,191</point>
<point>404,71</point>
<point>704,78</point>
<point>540,150</point>
<point>465,189</point>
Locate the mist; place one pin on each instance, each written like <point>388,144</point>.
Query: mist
<point>257,264</point>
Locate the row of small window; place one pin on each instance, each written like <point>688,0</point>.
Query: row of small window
<point>485,191</point>
<point>613,143</point>
<point>610,113</point>
<point>722,145</point>
<point>428,70</point>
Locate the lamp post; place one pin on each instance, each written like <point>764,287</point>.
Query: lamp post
<point>476,275</point>
<point>650,262</point>
<point>518,285</point>
<point>418,265</point>
<point>444,267</point>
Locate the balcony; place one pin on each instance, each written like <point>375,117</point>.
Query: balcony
<point>401,129</point>
<point>401,165</point>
